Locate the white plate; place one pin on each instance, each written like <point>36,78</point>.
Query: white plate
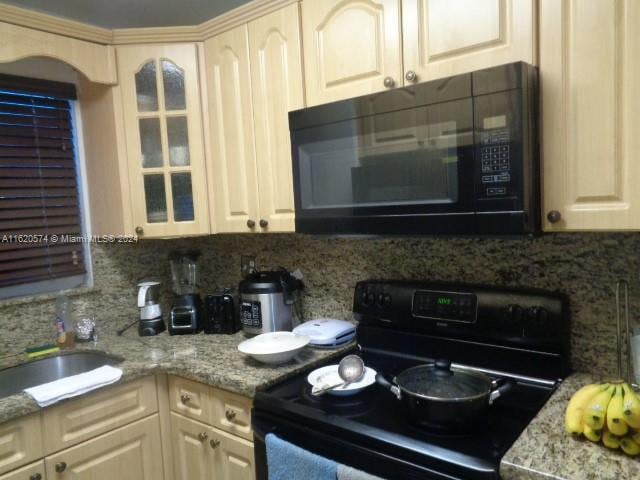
<point>329,376</point>
<point>275,347</point>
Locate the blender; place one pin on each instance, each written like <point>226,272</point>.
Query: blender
<point>185,315</point>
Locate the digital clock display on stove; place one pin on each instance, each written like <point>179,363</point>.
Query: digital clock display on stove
<point>454,307</point>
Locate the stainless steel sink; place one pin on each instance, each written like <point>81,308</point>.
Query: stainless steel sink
<point>15,379</point>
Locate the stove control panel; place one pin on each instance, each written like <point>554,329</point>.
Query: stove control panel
<point>446,306</point>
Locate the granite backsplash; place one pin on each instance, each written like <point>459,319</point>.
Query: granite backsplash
<point>584,266</point>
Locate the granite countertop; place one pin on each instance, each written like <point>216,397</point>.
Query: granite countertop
<point>210,359</point>
<point>545,451</point>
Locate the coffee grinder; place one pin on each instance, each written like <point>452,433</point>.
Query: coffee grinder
<point>151,322</point>
<point>186,311</point>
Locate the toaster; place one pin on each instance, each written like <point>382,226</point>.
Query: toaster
<point>221,313</point>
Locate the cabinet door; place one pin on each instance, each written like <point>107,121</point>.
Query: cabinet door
<point>192,451</point>
<point>590,72</point>
<point>448,37</point>
<point>276,77</point>
<point>129,453</point>
<point>232,412</point>
<point>20,442</point>
<point>190,399</point>
<point>35,471</point>
<point>233,457</point>
<point>233,164</point>
<point>350,47</point>
<point>165,149</point>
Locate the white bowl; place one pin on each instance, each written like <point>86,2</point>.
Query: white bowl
<point>274,348</point>
<point>329,376</point>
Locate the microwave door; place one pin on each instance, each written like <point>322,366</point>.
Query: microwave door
<point>409,162</point>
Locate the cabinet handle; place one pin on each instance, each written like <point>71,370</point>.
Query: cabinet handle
<point>214,443</point>
<point>35,476</point>
<point>139,230</point>
<point>554,216</point>
<point>202,436</point>
<point>411,76</point>
<point>230,414</point>
<point>61,467</point>
<point>264,223</point>
<point>251,223</point>
<point>184,398</point>
<point>389,82</point>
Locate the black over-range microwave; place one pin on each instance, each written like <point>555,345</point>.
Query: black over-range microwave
<point>452,156</point>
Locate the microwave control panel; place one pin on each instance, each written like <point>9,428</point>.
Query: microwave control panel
<point>495,155</point>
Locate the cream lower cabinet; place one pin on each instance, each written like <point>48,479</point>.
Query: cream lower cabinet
<point>35,471</point>
<point>590,119</point>
<point>161,108</point>
<point>202,452</point>
<point>133,452</point>
<point>254,78</point>
<point>20,442</point>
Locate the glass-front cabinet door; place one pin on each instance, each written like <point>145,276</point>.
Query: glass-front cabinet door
<point>163,130</point>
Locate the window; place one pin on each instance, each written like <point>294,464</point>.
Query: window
<point>40,197</point>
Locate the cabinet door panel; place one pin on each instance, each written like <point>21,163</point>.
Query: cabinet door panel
<point>350,46</point>
<point>233,172</point>
<point>191,449</point>
<point>190,399</point>
<point>20,442</point>
<point>30,472</point>
<point>129,453</point>
<point>163,125</point>
<point>231,412</point>
<point>276,74</point>
<point>234,458</point>
<point>590,113</point>
<point>72,422</point>
<point>448,37</point>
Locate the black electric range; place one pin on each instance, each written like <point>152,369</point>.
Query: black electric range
<point>516,335</point>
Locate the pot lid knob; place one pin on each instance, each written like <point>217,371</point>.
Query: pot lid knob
<point>443,368</point>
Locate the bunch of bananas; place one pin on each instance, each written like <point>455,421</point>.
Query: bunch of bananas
<point>609,412</point>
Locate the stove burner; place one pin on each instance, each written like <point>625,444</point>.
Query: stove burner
<point>348,406</point>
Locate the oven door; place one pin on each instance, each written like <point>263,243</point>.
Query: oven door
<point>338,448</point>
<point>408,170</point>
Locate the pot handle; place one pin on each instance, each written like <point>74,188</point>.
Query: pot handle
<point>501,390</point>
<point>383,382</point>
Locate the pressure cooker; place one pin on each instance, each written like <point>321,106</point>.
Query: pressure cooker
<point>267,301</point>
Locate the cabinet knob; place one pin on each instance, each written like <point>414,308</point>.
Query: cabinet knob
<point>230,414</point>
<point>251,223</point>
<point>411,76</point>
<point>202,436</point>
<point>35,476</point>
<point>264,223</point>
<point>554,216</point>
<point>139,230</point>
<point>184,398</point>
<point>389,82</point>
<point>214,443</point>
<point>61,467</point>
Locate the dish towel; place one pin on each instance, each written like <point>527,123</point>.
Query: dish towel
<point>349,473</point>
<point>52,392</point>
<point>286,461</point>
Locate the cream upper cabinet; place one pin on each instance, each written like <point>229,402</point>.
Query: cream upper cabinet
<point>164,139</point>
<point>233,175</point>
<point>590,72</point>
<point>448,37</point>
<point>351,48</point>
<point>128,453</point>
<point>277,88</point>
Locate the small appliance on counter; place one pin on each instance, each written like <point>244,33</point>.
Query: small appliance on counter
<point>185,316</point>
<point>151,321</point>
<point>267,300</point>
<point>221,312</point>
<point>327,332</point>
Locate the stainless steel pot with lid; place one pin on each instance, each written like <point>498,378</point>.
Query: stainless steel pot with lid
<point>439,396</point>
